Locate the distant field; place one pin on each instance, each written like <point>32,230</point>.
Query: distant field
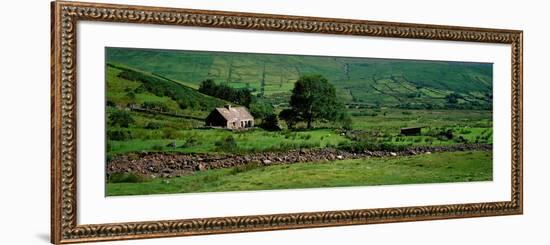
<point>365,81</point>
<point>433,168</point>
<point>473,126</point>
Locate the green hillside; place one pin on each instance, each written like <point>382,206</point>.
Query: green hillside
<point>128,87</point>
<point>359,81</point>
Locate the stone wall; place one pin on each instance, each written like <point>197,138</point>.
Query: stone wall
<point>178,164</point>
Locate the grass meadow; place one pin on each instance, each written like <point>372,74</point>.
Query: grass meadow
<point>433,168</point>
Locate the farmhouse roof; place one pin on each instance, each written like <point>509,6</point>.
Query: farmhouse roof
<point>235,113</point>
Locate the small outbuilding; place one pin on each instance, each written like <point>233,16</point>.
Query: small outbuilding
<point>230,117</point>
<point>411,131</point>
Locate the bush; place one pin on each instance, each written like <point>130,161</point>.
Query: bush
<point>121,118</point>
<point>110,103</point>
<point>119,135</point>
<point>260,109</point>
<point>191,141</point>
<point>153,125</point>
<point>271,123</point>
<point>169,133</point>
<point>347,123</point>
<point>129,177</point>
<point>108,158</point>
<point>453,98</point>
<point>448,134</point>
<point>131,95</point>
<point>228,144</point>
<point>157,147</point>
<point>305,136</point>
<point>464,131</point>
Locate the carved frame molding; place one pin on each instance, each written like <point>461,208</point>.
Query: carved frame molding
<point>65,16</point>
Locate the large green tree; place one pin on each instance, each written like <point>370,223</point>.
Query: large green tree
<point>314,98</point>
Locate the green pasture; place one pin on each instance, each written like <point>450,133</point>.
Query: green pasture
<point>361,80</point>
<point>204,141</point>
<point>432,168</point>
<point>381,127</point>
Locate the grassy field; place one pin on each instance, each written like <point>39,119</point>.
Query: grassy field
<point>432,168</point>
<point>359,80</point>
<point>381,126</point>
<point>203,141</point>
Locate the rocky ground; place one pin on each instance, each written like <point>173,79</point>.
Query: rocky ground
<point>168,165</point>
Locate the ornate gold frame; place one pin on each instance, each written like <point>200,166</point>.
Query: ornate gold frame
<point>65,15</point>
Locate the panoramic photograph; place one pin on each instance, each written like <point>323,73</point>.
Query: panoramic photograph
<point>181,121</point>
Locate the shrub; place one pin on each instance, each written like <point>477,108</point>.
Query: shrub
<point>157,147</point>
<point>347,123</point>
<point>191,141</point>
<point>128,177</point>
<point>461,139</point>
<point>153,125</point>
<point>228,144</point>
<point>108,158</point>
<point>130,95</point>
<point>119,135</point>
<point>110,103</point>
<point>447,134</point>
<point>464,131</point>
<point>261,109</point>
<point>453,98</point>
<point>305,136</point>
<point>271,123</point>
<point>169,133</point>
<point>121,118</point>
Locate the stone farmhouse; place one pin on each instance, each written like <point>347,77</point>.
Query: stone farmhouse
<point>230,117</point>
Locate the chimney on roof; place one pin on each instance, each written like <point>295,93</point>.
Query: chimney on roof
<point>227,106</point>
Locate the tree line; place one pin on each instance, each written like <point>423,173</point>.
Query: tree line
<point>222,91</point>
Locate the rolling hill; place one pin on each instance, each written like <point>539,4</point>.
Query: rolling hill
<point>127,86</point>
<point>359,81</point>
